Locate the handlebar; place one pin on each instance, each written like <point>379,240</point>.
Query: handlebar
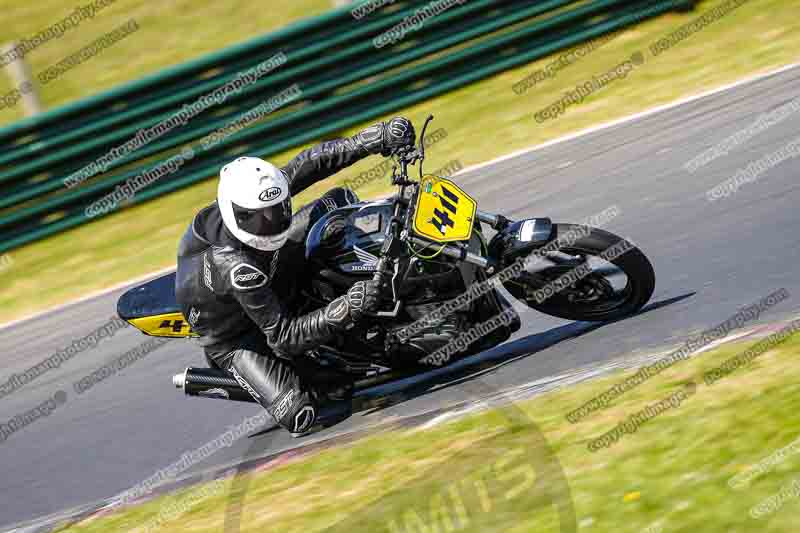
<point>411,155</point>
<point>392,247</point>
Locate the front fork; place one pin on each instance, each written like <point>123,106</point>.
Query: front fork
<point>514,237</point>
<point>461,252</point>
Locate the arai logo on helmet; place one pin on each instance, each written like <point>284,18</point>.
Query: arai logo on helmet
<point>270,194</point>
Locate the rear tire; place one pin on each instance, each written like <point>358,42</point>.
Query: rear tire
<point>634,264</point>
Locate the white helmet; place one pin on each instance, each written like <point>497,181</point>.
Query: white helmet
<point>254,199</point>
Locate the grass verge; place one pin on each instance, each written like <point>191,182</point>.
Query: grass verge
<point>483,121</point>
<point>672,474</point>
<point>182,29</point>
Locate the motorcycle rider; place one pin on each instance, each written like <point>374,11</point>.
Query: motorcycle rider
<point>240,264</point>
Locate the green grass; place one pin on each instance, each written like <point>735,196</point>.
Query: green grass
<point>484,120</point>
<point>180,29</point>
<point>673,472</point>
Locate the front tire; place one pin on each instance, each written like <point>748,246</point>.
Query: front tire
<point>591,298</point>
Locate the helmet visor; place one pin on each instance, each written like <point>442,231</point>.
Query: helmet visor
<point>266,221</point>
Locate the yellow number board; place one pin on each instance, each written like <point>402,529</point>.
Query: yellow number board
<point>444,212</point>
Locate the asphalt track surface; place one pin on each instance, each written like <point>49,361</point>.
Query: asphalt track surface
<point>710,260</point>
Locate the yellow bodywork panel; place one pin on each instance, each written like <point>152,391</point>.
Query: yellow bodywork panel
<point>168,325</point>
<point>444,213</point>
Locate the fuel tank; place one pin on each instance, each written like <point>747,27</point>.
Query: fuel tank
<point>344,246</point>
<point>346,243</point>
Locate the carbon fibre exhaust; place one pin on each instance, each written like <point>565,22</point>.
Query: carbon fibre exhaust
<point>211,383</point>
<point>215,383</point>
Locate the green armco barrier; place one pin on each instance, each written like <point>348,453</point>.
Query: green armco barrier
<point>289,122</point>
<point>36,155</point>
<point>305,57</point>
<point>355,72</point>
<point>14,196</point>
<point>303,28</point>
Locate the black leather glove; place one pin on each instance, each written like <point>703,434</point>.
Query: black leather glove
<point>386,138</point>
<point>398,133</point>
<point>362,298</point>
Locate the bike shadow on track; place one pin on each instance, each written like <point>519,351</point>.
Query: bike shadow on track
<point>375,399</point>
<point>468,371</point>
<point>378,398</point>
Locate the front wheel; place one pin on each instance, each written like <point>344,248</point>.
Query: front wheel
<point>593,275</point>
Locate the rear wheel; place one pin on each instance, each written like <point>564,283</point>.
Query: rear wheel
<point>594,276</point>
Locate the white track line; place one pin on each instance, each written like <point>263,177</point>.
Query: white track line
<point>636,116</point>
<point>512,155</point>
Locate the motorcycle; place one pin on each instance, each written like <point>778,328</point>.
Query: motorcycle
<point>426,245</point>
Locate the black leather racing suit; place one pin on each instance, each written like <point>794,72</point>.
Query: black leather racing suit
<point>243,302</point>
